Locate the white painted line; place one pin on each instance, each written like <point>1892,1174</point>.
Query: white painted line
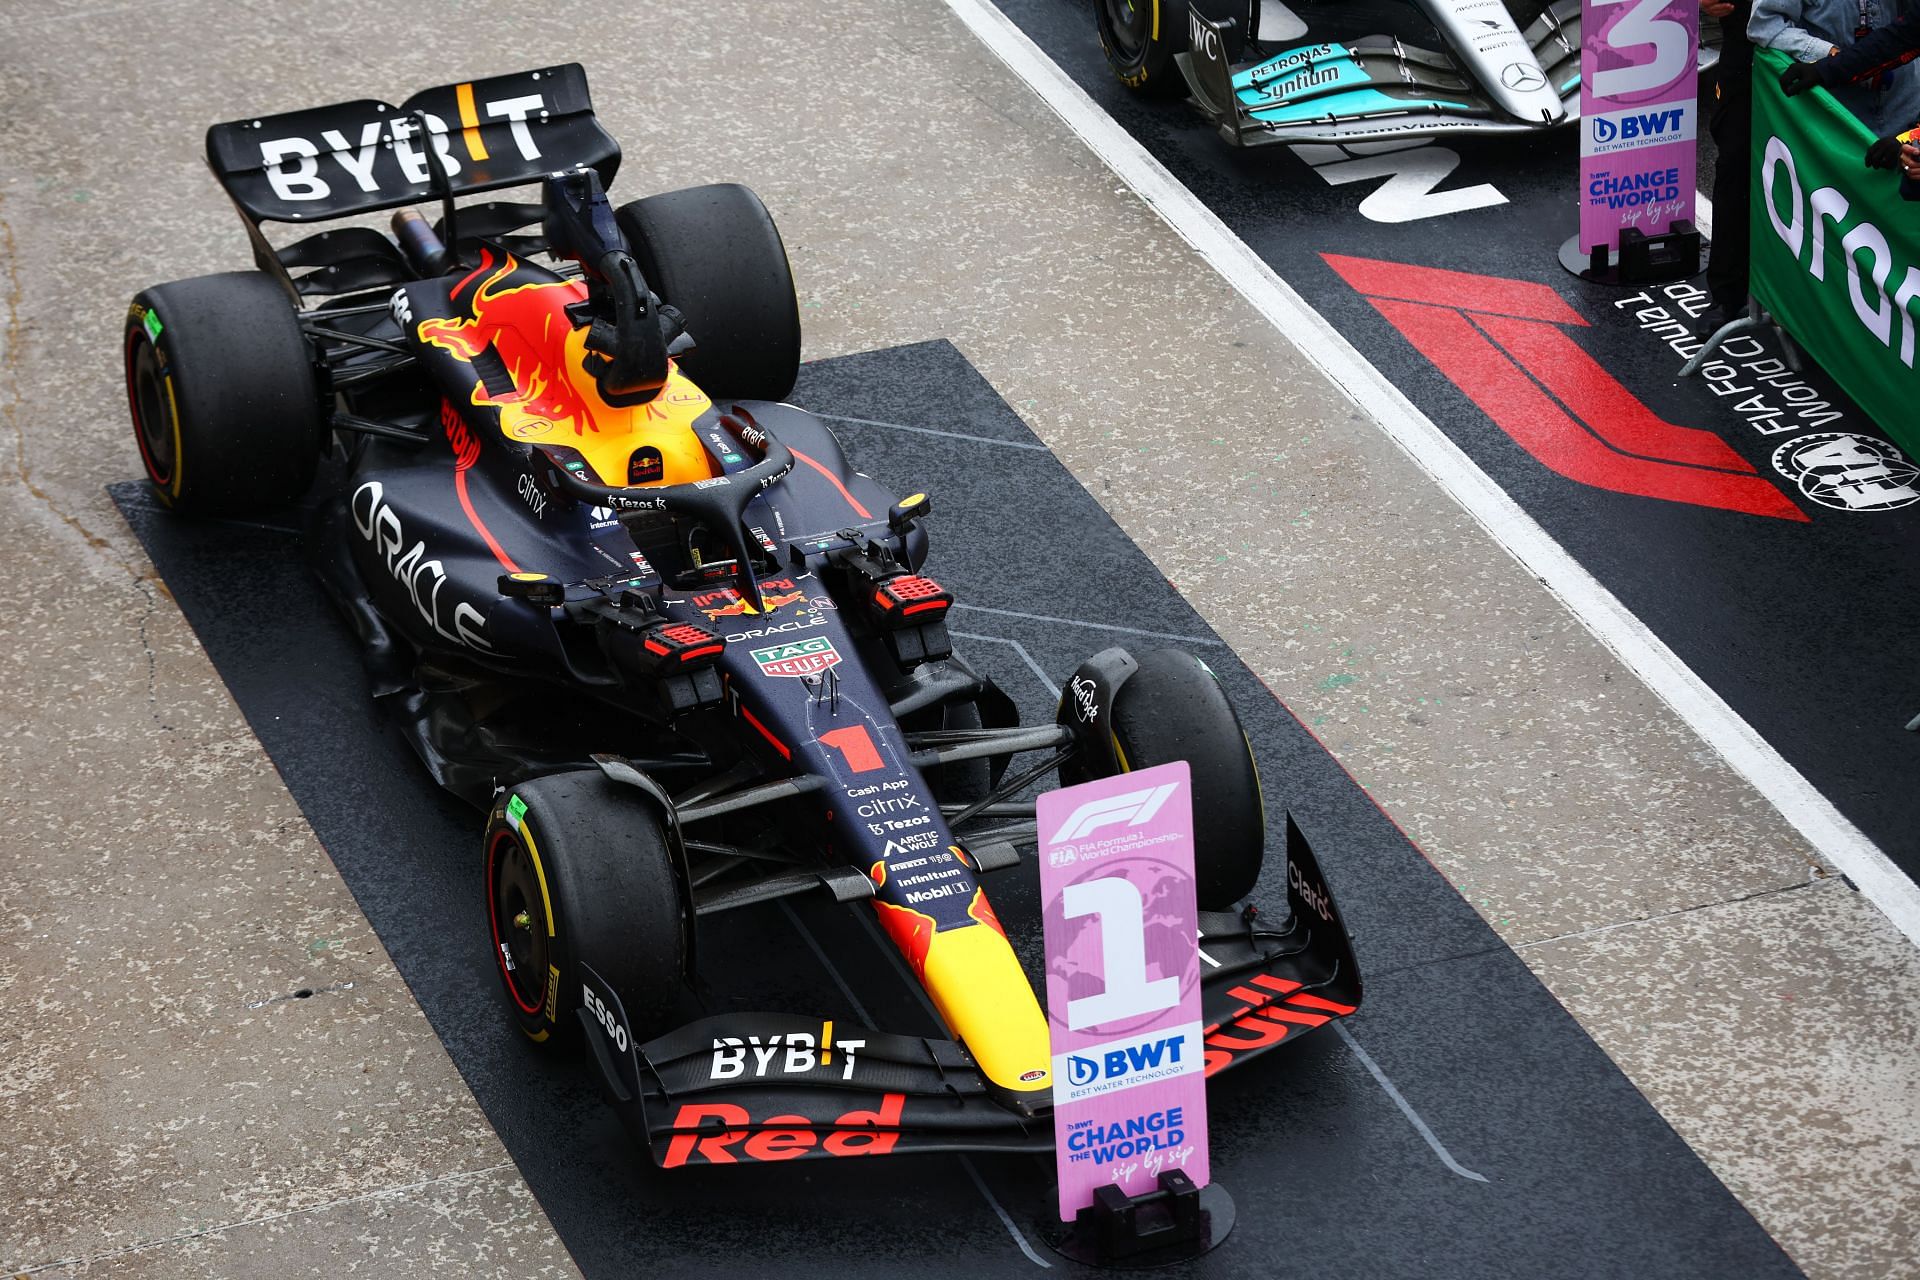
<point>1420,1126</point>
<point>993,1202</point>
<point>1095,626</point>
<point>1836,839</point>
<point>1018,648</point>
<point>929,431</point>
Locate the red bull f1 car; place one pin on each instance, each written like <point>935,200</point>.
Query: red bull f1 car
<point>644,614</point>
<point>1323,73</point>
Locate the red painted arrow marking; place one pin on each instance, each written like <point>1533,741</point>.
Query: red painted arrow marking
<point>1503,343</point>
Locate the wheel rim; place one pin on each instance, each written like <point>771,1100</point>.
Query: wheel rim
<point>148,400</point>
<point>517,912</point>
<point>1129,21</point>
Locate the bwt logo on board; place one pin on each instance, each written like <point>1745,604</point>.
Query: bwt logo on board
<point>1131,1060</point>
<point>1621,130</point>
<point>1096,1070</point>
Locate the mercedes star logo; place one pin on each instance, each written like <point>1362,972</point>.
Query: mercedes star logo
<point>1518,75</point>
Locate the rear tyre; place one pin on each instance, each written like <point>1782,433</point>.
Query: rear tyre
<point>578,872</point>
<point>1173,708</point>
<point>221,385</point>
<point>713,253</point>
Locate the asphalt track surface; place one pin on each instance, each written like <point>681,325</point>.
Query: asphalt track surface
<point>1460,1125</point>
<point>1805,626</point>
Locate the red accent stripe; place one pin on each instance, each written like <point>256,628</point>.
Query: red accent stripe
<point>1515,402</point>
<point>1597,399</point>
<point>834,480</point>
<point>1454,289</point>
<point>1502,343</point>
<point>493,922</point>
<point>1308,1000</point>
<point>1271,983</point>
<point>486,261</point>
<point>473,518</point>
<point>691,654</point>
<point>922,608</point>
<point>778,745</point>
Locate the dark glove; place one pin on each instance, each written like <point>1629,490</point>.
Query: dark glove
<point>1799,77</point>
<point>1884,154</point>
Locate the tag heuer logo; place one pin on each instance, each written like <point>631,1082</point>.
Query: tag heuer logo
<point>807,657</point>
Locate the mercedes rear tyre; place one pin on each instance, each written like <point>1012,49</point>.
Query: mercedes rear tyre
<point>714,254</point>
<point>579,875</point>
<point>1173,708</point>
<point>221,385</point>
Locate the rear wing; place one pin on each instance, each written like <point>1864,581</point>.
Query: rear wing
<point>358,157</point>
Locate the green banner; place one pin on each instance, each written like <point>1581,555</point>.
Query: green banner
<point>1836,251</point>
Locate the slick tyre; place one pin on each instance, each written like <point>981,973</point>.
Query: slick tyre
<point>579,873</point>
<point>1173,708</point>
<point>714,254</point>
<point>1142,37</point>
<point>221,385</point>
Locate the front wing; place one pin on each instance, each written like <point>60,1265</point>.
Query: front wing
<point>1375,89</point>
<point>767,1087</point>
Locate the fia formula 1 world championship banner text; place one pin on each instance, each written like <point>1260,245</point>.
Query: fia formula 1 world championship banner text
<point>1638,116</point>
<point>1123,983</point>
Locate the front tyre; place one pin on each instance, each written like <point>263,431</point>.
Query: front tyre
<point>1143,37</point>
<point>1173,708</point>
<point>1140,38</point>
<point>579,873</point>
<point>221,385</point>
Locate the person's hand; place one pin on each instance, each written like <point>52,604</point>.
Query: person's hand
<point>1716,8</point>
<point>1910,160</point>
<point>1799,77</point>
<point>1884,154</point>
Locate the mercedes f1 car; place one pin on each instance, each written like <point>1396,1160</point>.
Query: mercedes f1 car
<point>646,615</point>
<point>1446,67</point>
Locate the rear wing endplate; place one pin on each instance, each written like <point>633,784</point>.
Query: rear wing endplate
<point>357,157</point>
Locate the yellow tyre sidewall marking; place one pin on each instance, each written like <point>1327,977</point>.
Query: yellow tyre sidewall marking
<point>173,420</point>
<point>138,315</point>
<point>524,830</point>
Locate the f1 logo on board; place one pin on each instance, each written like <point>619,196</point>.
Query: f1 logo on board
<point>1135,808</point>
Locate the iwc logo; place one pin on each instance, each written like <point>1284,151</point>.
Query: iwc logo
<point>1849,472</point>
